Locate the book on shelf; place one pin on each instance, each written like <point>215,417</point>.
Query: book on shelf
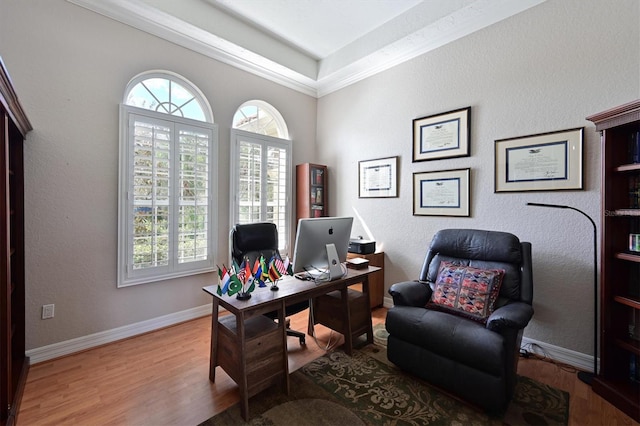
<point>634,147</point>
<point>316,176</point>
<point>634,192</point>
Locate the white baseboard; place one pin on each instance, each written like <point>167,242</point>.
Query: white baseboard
<point>56,350</point>
<point>559,354</point>
<point>556,353</point>
<point>68,347</point>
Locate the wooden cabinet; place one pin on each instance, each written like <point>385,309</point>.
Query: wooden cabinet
<point>255,358</point>
<point>618,380</point>
<point>13,362</point>
<point>376,279</point>
<point>311,191</point>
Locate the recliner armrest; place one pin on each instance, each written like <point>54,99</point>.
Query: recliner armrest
<point>410,293</point>
<point>513,315</point>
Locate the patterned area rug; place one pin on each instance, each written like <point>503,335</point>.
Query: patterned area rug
<point>363,389</point>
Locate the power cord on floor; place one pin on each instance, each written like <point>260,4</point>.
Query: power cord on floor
<point>329,347</point>
<point>535,351</point>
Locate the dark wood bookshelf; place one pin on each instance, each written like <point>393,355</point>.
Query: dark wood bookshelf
<point>14,364</point>
<point>311,191</point>
<point>617,380</point>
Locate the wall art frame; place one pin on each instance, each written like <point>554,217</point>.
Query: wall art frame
<point>444,135</point>
<point>551,161</point>
<point>442,193</point>
<point>378,178</point>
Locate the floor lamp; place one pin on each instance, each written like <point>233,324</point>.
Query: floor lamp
<point>583,375</point>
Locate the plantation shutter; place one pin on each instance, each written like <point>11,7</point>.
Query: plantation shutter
<point>193,207</point>
<point>277,177</point>
<point>168,204</point>
<point>149,240</point>
<point>261,184</point>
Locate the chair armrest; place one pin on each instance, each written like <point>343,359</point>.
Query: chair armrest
<point>514,315</point>
<point>410,293</point>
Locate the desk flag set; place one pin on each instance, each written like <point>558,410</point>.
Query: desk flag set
<point>242,279</point>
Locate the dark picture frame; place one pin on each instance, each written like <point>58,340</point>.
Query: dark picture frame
<point>442,193</point>
<point>444,135</point>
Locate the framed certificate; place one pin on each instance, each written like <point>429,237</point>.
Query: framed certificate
<point>441,193</point>
<point>543,162</point>
<point>378,178</point>
<point>442,135</point>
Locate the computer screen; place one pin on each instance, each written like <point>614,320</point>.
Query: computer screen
<point>312,237</point>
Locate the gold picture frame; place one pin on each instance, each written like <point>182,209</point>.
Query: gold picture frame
<point>543,162</point>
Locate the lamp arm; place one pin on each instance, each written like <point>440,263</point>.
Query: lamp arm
<point>595,284</point>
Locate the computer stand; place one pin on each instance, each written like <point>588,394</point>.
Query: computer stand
<point>335,268</point>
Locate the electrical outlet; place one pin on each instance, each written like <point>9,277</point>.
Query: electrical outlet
<point>47,311</point>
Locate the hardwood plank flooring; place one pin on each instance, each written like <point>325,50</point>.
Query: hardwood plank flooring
<point>161,378</point>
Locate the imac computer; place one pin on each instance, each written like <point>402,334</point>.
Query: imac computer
<point>321,247</point>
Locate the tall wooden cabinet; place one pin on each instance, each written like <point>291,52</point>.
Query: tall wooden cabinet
<point>311,192</point>
<point>14,125</point>
<point>618,380</point>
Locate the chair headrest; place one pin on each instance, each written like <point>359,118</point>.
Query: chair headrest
<point>252,238</point>
<point>477,245</point>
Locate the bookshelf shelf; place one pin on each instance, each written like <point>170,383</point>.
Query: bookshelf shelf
<point>311,192</point>
<point>618,380</point>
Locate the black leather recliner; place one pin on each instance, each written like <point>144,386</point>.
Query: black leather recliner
<point>252,240</point>
<point>474,361</point>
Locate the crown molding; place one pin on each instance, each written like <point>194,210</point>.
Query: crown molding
<point>10,102</point>
<point>462,22</point>
<point>139,15</point>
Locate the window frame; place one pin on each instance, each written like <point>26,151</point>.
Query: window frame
<point>236,137</point>
<point>278,119</point>
<point>126,275</point>
<point>168,75</point>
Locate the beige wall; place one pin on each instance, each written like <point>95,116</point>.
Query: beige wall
<point>543,70</point>
<point>70,67</point>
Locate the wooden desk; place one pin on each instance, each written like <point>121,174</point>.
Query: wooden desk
<point>251,348</point>
<point>376,279</point>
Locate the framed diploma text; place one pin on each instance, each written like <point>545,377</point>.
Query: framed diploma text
<point>441,136</point>
<point>543,162</point>
<point>441,193</point>
<point>378,178</point>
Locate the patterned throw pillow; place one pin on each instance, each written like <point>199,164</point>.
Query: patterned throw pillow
<point>466,291</point>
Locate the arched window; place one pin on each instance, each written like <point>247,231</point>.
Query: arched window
<point>261,118</point>
<point>261,169</point>
<point>168,93</point>
<point>168,155</point>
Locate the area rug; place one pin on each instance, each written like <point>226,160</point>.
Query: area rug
<point>362,389</point>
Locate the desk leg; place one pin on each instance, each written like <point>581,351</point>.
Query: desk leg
<point>244,384</point>
<point>285,358</point>
<point>213,356</point>
<point>365,289</point>
<point>348,338</point>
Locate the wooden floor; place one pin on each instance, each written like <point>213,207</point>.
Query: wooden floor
<point>161,378</point>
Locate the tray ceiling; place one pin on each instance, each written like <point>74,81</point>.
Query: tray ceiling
<point>313,46</point>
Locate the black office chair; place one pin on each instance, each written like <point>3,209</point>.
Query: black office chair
<point>250,241</point>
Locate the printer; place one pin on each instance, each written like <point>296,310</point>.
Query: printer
<point>360,246</point>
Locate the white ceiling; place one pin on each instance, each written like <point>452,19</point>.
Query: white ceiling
<point>317,27</point>
<point>313,46</point>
